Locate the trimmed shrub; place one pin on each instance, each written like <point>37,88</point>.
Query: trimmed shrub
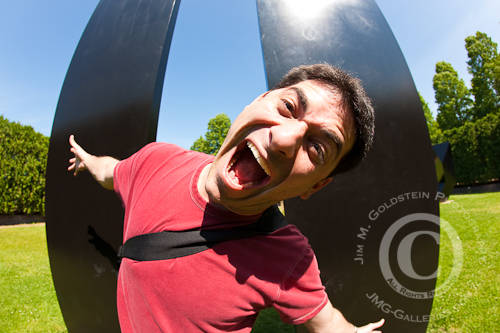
<point>475,148</point>
<point>23,160</point>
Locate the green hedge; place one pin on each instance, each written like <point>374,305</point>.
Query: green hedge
<point>23,160</point>
<point>475,148</point>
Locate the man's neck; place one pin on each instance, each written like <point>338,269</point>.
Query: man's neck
<point>208,190</point>
<point>202,181</point>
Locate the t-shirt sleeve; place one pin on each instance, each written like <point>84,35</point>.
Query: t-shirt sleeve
<point>302,295</point>
<point>125,171</point>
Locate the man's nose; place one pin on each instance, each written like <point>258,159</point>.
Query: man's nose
<point>287,137</point>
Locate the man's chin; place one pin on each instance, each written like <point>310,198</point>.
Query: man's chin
<point>246,206</point>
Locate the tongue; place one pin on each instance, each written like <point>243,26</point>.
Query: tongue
<point>247,169</point>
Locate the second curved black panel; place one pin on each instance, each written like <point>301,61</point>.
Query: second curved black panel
<point>375,229</point>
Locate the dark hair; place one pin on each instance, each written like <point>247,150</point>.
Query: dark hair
<point>353,96</point>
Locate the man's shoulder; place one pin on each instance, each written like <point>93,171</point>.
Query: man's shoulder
<point>168,152</point>
<point>292,237</point>
<point>158,157</point>
<point>162,147</point>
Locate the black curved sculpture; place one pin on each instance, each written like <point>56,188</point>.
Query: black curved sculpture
<point>110,101</point>
<point>348,224</point>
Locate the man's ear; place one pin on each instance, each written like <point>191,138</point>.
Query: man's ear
<point>316,187</point>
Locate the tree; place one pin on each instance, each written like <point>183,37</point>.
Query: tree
<point>215,135</point>
<point>475,148</point>
<point>434,131</point>
<point>496,74</point>
<point>452,97</point>
<point>471,126</point>
<point>483,57</point>
<point>23,159</point>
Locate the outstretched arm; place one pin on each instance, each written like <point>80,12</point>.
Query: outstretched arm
<point>330,319</point>
<point>100,167</point>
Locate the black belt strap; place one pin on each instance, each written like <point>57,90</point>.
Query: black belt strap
<point>173,244</point>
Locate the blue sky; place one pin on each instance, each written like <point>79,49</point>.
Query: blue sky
<point>215,63</point>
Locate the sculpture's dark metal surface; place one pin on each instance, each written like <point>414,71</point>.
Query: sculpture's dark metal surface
<point>445,173</point>
<point>349,223</point>
<point>110,101</point>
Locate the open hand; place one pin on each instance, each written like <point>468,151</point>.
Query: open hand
<point>77,163</point>
<point>370,327</point>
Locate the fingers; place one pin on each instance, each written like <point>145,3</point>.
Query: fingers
<point>73,144</point>
<point>72,141</point>
<point>76,162</point>
<point>75,147</point>
<point>370,327</point>
<point>379,323</point>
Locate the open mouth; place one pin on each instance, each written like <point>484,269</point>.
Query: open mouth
<point>247,168</point>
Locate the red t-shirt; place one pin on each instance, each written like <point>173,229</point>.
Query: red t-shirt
<point>221,289</point>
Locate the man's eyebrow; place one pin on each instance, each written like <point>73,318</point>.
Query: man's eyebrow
<point>302,97</point>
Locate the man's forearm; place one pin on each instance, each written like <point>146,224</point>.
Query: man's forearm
<point>341,324</point>
<point>329,319</point>
<point>102,168</point>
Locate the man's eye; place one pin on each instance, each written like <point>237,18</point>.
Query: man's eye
<point>289,106</point>
<point>317,147</point>
<point>319,153</point>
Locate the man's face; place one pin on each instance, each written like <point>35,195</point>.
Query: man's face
<point>284,144</point>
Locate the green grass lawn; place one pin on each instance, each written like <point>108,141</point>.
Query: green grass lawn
<point>28,302</point>
<point>472,303</point>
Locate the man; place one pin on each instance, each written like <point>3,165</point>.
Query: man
<point>288,142</point>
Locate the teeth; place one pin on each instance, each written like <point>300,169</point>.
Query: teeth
<point>231,164</point>
<point>259,159</point>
